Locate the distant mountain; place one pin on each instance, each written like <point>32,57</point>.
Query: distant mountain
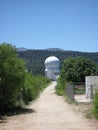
<point>54,49</point>
<point>21,49</point>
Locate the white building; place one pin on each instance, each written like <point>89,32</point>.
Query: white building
<point>52,67</point>
<point>91,86</point>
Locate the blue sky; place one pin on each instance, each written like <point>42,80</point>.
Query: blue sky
<point>40,24</point>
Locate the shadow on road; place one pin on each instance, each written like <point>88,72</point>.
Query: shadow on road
<point>17,111</point>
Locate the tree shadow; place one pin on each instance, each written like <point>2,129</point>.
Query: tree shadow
<point>24,111</point>
<point>14,112</point>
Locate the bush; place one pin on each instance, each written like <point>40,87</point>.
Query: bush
<point>95,102</point>
<point>60,88</point>
<point>33,86</point>
<point>75,69</point>
<point>16,85</point>
<point>12,76</point>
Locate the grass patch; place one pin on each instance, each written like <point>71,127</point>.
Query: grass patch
<point>59,90</point>
<point>79,91</point>
<point>89,114</point>
<point>69,101</point>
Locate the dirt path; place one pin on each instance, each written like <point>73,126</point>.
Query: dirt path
<point>51,113</point>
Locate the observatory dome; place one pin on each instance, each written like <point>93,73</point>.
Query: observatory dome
<point>51,59</point>
<point>52,62</point>
<point>52,67</point>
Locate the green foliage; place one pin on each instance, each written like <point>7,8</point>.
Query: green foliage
<point>95,103</point>
<point>75,69</point>
<point>79,91</point>
<point>16,85</point>
<point>12,75</point>
<point>60,88</point>
<point>33,86</point>
<point>67,72</point>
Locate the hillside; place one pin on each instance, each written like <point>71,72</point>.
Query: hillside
<point>35,58</point>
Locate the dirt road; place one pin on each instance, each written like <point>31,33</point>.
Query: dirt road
<point>51,112</point>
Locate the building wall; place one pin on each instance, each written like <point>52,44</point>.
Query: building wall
<point>91,86</point>
<point>52,74</point>
<point>52,67</point>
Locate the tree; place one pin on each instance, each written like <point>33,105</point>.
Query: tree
<point>12,76</point>
<point>67,71</point>
<point>75,69</point>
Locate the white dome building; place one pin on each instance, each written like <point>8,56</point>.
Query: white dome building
<point>52,67</point>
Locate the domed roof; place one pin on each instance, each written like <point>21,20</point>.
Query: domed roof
<point>51,59</point>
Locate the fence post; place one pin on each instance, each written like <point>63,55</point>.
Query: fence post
<point>70,91</point>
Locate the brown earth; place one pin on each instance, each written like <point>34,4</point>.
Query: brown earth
<point>49,112</point>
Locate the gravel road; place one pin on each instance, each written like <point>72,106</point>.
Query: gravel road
<point>49,112</point>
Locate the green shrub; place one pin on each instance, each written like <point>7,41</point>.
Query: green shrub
<point>17,86</point>
<point>95,102</point>
<point>33,86</point>
<point>60,89</point>
<point>12,76</point>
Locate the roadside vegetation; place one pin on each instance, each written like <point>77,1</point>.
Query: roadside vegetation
<point>75,70</point>
<point>17,86</point>
<point>95,103</point>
